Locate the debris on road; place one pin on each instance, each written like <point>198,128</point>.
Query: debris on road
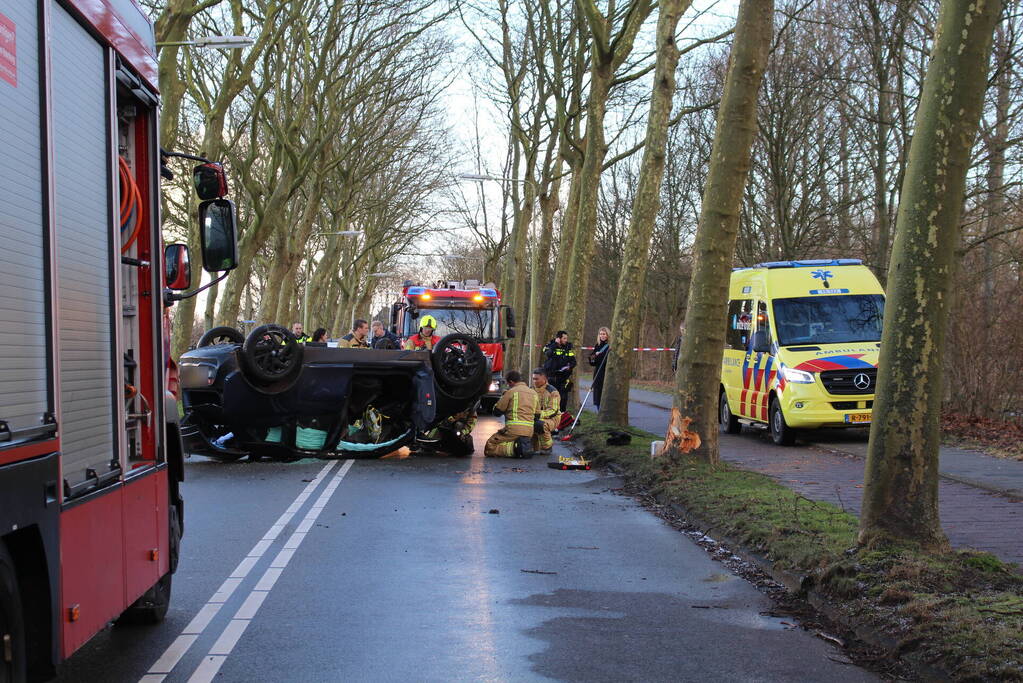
<point>494,511</point>
<point>536,571</point>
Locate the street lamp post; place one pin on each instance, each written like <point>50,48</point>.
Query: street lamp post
<point>222,42</point>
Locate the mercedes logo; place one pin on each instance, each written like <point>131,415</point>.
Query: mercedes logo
<point>861,381</point>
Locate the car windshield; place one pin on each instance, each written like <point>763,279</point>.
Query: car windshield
<point>476,322</point>
<point>829,319</point>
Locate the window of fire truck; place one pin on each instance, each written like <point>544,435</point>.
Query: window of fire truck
<point>473,321</point>
<point>141,326</point>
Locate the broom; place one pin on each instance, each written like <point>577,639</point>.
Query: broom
<point>568,437</point>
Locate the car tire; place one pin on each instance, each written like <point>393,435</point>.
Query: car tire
<point>781,433</point>
<point>12,622</point>
<point>152,607</point>
<point>221,335</point>
<point>459,362</point>
<point>729,423</point>
<point>271,355</point>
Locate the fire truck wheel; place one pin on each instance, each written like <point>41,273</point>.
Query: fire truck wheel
<point>12,624</point>
<point>221,335</point>
<point>458,361</point>
<point>271,354</point>
<point>151,608</point>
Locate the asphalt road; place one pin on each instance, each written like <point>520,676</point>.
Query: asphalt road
<point>440,569</point>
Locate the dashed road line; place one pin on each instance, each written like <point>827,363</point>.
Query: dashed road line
<point>232,633</point>
<point>177,649</point>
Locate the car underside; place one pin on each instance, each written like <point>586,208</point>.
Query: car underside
<point>268,396</point>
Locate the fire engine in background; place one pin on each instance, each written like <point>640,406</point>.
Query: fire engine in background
<point>90,456</point>
<point>463,307</point>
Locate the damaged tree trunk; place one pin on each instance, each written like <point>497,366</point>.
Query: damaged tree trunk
<point>699,366</point>
<point>900,493</point>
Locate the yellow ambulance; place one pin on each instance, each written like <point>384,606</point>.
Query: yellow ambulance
<point>801,346</point>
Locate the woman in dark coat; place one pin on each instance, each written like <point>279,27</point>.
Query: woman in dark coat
<point>598,356</point>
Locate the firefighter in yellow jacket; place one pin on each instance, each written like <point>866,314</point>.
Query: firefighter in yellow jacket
<point>518,405</point>
<point>425,339</point>
<point>548,411</point>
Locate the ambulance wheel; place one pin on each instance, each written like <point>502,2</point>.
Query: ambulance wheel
<point>781,433</point>
<point>221,335</point>
<point>152,607</point>
<point>459,362</point>
<point>12,623</point>
<point>271,354</point>
<point>729,423</point>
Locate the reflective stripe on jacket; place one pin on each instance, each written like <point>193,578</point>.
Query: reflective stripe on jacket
<point>518,405</point>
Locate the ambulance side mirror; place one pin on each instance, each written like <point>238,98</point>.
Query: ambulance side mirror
<point>761,342</point>
<point>177,269</point>
<point>217,225</point>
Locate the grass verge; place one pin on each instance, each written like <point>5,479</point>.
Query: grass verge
<point>959,612</point>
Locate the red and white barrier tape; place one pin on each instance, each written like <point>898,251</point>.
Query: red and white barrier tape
<point>635,348</point>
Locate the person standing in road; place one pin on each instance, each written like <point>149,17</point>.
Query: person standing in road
<point>357,338</point>
<point>548,412</point>
<point>298,330</point>
<point>519,406</point>
<point>425,339</point>
<point>377,335</point>
<point>598,359</point>
<point>559,364</point>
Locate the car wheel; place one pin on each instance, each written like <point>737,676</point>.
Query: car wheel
<point>221,335</point>
<point>459,362</point>
<point>781,433</point>
<point>729,423</point>
<point>13,663</point>
<point>152,607</point>
<point>271,354</point>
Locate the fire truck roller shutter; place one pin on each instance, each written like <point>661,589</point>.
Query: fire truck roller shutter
<point>24,398</point>
<point>84,226</point>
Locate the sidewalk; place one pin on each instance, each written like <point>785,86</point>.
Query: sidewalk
<point>981,497</point>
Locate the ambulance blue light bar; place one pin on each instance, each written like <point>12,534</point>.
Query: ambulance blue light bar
<point>816,263</point>
<point>416,290</point>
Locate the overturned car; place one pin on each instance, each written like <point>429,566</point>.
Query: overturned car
<point>267,395</point>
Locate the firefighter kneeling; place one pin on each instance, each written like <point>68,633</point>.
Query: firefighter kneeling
<point>548,412</point>
<point>518,405</point>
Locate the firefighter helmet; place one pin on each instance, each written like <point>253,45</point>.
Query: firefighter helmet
<point>428,321</point>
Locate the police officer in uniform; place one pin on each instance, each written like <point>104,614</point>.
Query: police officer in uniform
<point>298,330</point>
<point>357,338</point>
<point>559,365</point>
<point>518,405</point>
<point>548,411</point>
<point>425,339</point>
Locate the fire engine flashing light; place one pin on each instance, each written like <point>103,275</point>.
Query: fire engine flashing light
<point>477,297</point>
<point>416,290</point>
<point>488,292</point>
<point>425,296</point>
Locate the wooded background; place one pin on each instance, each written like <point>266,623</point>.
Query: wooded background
<point>340,118</point>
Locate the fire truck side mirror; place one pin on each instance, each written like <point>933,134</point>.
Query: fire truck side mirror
<point>510,333</point>
<point>219,235</point>
<point>177,273</point>
<point>509,318</point>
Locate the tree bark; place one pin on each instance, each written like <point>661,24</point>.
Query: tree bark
<point>698,379</point>
<point>621,359</point>
<point>900,494</point>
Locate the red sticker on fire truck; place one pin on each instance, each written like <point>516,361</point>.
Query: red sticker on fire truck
<point>8,52</point>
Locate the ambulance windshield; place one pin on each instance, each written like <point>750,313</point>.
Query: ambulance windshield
<point>829,319</point>
<point>475,322</point>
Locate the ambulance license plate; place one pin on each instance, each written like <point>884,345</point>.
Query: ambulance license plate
<point>857,418</point>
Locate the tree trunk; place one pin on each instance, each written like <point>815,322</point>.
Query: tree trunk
<point>540,271</point>
<point>559,284</point>
<point>699,369</point>
<point>621,359</point>
<point>900,494</point>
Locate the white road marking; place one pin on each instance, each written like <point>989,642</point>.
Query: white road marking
<point>201,620</point>
<point>177,649</point>
<point>207,669</point>
<point>229,637</point>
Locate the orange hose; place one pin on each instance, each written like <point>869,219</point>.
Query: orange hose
<point>131,199</point>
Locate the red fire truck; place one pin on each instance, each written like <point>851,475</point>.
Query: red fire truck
<point>90,456</point>
<point>463,307</point>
